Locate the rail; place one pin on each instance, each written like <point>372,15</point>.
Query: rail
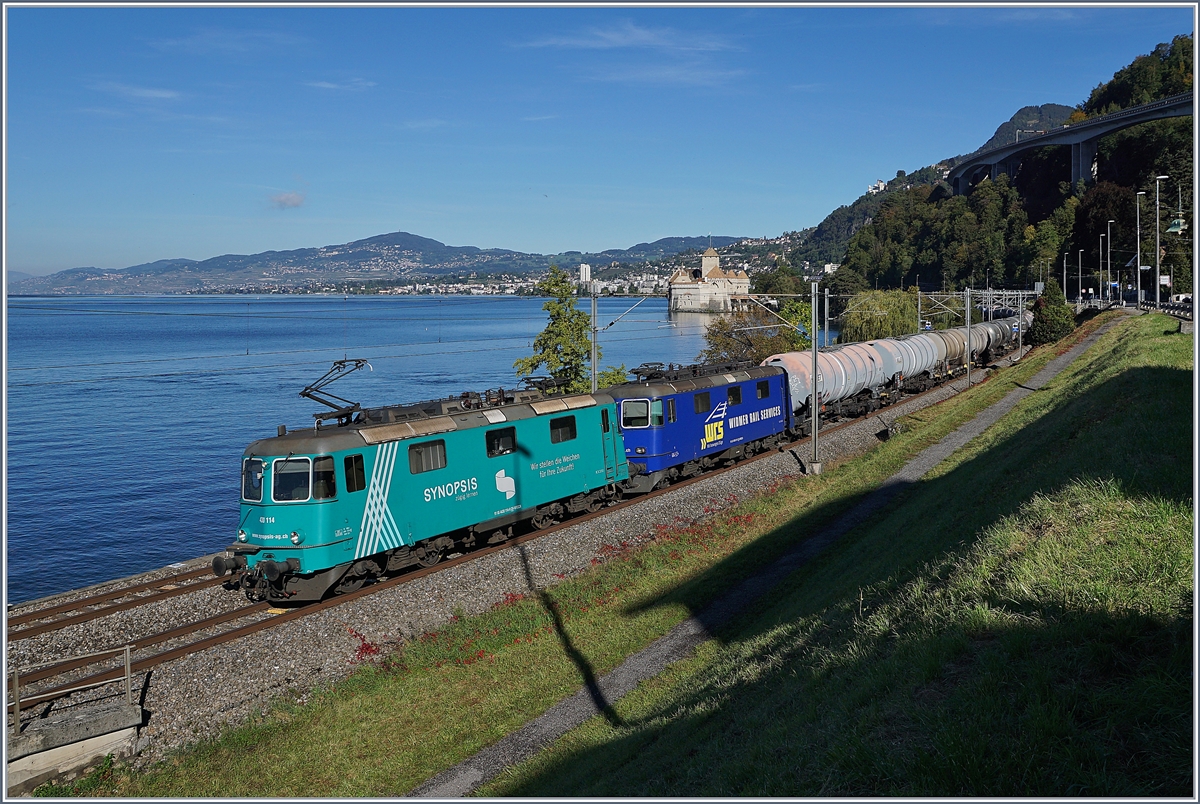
<point>16,682</point>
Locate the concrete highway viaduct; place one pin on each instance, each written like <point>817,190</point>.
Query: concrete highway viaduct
<point>1082,138</point>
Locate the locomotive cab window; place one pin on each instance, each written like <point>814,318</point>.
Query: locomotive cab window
<point>252,480</point>
<point>324,482</point>
<point>735,395</point>
<point>427,457</point>
<point>356,475</point>
<point>656,413</point>
<point>701,402</point>
<point>635,413</point>
<point>764,389</point>
<point>562,429</point>
<point>501,442</point>
<point>670,411</point>
<point>291,479</point>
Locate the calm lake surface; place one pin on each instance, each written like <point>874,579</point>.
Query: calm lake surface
<point>127,416</point>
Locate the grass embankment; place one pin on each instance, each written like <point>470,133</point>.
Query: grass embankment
<point>440,699</point>
<point>1024,626</point>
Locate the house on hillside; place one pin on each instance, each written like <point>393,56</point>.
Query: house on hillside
<point>709,288</point>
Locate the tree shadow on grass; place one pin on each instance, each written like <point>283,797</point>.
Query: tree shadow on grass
<point>708,742</point>
<point>586,671</point>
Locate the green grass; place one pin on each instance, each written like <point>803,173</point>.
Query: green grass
<point>437,700</point>
<point>1024,626</point>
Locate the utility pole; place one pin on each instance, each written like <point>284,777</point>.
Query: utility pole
<point>968,354</point>
<point>1079,298</point>
<point>1137,200</point>
<point>920,326</point>
<point>1157,247</point>
<point>815,404</point>
<point>1100,279</point>
<point>826,318</point>
<point>585,276</point>
<point>1110,298</point>
<point>1064,286</point>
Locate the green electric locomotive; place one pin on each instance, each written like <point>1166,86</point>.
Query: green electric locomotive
<point>329,509</point>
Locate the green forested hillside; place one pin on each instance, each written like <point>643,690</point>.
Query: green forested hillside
<point>1013,232</point>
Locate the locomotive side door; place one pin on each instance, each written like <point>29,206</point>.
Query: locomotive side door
<point>608,436</point>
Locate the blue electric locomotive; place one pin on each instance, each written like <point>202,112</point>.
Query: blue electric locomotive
<point>678,421</point>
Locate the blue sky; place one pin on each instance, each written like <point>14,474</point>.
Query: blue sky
<point>136,134</point>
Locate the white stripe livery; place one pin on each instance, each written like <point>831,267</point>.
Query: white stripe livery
<point>379,530</point>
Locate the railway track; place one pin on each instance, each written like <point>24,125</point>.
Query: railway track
<point>116,600</point>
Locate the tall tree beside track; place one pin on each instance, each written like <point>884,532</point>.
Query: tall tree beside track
<point>756,334</point>
<point>1052,319</point>
<point>564,347</point>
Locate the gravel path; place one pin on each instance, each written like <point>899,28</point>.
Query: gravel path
<point>193,698</point>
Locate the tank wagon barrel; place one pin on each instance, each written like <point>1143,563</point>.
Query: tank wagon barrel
<point>859,377</point>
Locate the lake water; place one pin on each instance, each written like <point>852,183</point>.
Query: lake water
<point>127,416</point>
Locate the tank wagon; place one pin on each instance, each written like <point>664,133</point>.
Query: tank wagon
<point>858,378</point>
<point>335,507</point>
<point>329,509</point>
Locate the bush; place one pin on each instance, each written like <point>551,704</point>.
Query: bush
<point>1052,319</point>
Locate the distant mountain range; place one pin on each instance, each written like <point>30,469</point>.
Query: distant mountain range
<point>398,256</point>
<point>405,257</point>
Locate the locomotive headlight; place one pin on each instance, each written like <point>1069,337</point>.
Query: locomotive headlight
<point>296,538</point>
<point>640,450</point>
<point>241,535</point>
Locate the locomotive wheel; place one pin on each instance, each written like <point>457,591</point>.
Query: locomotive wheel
<point>542,520</point>
<point>356,576</point>
<point>431,557</point>
<point>348,585</point>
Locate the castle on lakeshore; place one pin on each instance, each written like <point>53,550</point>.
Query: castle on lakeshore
<point>709,288</point>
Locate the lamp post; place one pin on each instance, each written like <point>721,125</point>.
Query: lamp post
<point>1100,279</point>
<point>1064,286</point>
<point>1110,223</point>
<point>1079,298</point>
<point>1138,218</point>
<point>1157,247</point>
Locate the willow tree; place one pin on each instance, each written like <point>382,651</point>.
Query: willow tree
<point>875,314</point>
<point>757,334</point>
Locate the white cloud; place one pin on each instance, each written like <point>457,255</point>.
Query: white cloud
<point>353,85</point>
<point>287,200</point>
<point>671,74</point>
<point>432,122</point>
<point>137,93</point>
<point>628,35</point>
<point>217,40</point>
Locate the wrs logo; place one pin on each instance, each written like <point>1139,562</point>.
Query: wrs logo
<point>506,484</point>
<point>714,431</point>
